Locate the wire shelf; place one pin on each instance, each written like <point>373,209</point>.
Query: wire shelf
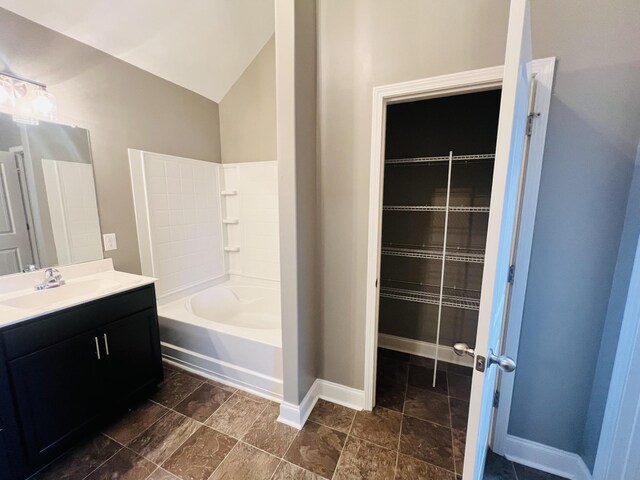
<point>434,252</point>
<point>450,299</point>
<point>433,208</point>
<point>455,158</point>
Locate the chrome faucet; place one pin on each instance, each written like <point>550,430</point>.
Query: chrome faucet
<point>52,279</point>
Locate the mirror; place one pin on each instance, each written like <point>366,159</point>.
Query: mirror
<point>48,207</point>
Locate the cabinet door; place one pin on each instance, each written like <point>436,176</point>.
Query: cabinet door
<point>57,394</point>
<point>133,360</point>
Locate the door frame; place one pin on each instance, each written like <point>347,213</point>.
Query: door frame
<point>440,86</point>
<point>620,433</point>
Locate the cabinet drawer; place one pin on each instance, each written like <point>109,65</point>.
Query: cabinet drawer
<point>50,329</point>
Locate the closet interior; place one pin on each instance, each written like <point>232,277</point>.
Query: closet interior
<point>439,158</point>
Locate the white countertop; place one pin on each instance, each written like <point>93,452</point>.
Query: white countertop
<point>84,282</point>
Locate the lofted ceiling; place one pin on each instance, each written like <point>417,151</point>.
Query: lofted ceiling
<point>201,45</point>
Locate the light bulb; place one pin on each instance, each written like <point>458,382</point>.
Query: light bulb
<point>43,104</point>
<point>6,92</point>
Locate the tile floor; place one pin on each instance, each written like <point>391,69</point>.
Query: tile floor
<point>196,429</point>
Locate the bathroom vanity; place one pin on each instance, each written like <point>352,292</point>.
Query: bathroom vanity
<point>70,358</point>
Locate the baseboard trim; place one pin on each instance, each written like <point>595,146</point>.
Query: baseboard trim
<point>297,415</point>
<point>270,389</point>
<point>422,349</point>
<point>547,459</point>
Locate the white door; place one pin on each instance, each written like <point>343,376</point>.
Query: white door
<point>15,246</point>
<point>501,229</point>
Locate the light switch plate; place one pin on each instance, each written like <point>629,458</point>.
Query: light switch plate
<point>109,240</point>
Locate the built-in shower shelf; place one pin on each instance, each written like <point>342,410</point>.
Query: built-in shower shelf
<point>450,299</point>
<point>441,159</point>
<point>232,248</point>
<point>228,193</point>
<point>230,221</point>
<point>434,252</point>
<point>434,208</point>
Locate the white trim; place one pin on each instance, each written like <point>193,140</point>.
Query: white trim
<point>543,69</point>
<point>620,433</point>
<point>547,459</point>
<point>422,349</point>
<point>474,80</point>
<point>224,372</point>
<point>296,415</point>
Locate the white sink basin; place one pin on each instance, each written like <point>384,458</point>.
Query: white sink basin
<point>41,298</point>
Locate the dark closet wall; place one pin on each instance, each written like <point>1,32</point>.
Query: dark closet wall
<point>467,125</point>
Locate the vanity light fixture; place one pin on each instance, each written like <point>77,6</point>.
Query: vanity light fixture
<point>26,100</point>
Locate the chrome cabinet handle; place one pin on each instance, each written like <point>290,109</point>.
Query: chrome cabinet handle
<point>106,344</point>
<point>97,347</point>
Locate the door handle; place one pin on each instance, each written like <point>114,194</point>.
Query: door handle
<point>97,347</point>
<point>106,344</point>
<point>505,363</point>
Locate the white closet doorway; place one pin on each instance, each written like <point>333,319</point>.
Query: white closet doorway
<point>455,171</point>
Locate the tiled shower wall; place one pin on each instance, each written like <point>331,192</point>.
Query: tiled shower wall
<point>251,219</point>
<point>199,221</point>
<point>184,217</point>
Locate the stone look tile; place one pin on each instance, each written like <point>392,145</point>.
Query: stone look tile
<point>332,415</point>
<point>427,441</point>
<point>221,385</point>
<point>255,398</point>
<point>394,354</point>
<point>380,426</point>
<point>362,459</point>
<point>163,438</point>
<point>202,402</point>
<point>270,435</point>
<point>528,473</point>
<point>246,463</point>
<point>175,389</point>
<point>200,455</point>
<point>390,395</point>
<point>427,405</point>
<point>161,474</point>
<point>236,416</point>
<point>459,413</point>
<point>389,368</point>
<point>289,471</point>
<point>459,386</point>
<point>459,439</point>
<point>422,377</point>
<point>316,448</point>
<point>498,468</point>
<point>81,461</point>
<point>135,422</point>
<point>412,469</point>
<point>124,465</point>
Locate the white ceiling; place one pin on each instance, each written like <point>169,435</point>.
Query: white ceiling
<point>202,45</point>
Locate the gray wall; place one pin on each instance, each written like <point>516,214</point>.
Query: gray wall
<point>593,130</point>
<point>121,105</point>
<point>296,139</point>
<point>248,111</point>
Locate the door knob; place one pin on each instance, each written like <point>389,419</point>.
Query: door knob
<point>463,349</point>
<point>506,364</point>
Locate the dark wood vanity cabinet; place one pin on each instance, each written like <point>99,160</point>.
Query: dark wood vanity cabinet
<point>64,374</point>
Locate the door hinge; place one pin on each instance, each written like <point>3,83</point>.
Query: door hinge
<point>530,119</point>
<point>512,274</point>
<point>496,398</point>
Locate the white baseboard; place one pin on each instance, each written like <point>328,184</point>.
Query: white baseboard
<point>547,459</point>
<point>422,349</point>
<point>271,389</point>
<point>296,415</point>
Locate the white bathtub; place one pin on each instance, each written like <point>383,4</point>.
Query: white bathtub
<point>230,332</point>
